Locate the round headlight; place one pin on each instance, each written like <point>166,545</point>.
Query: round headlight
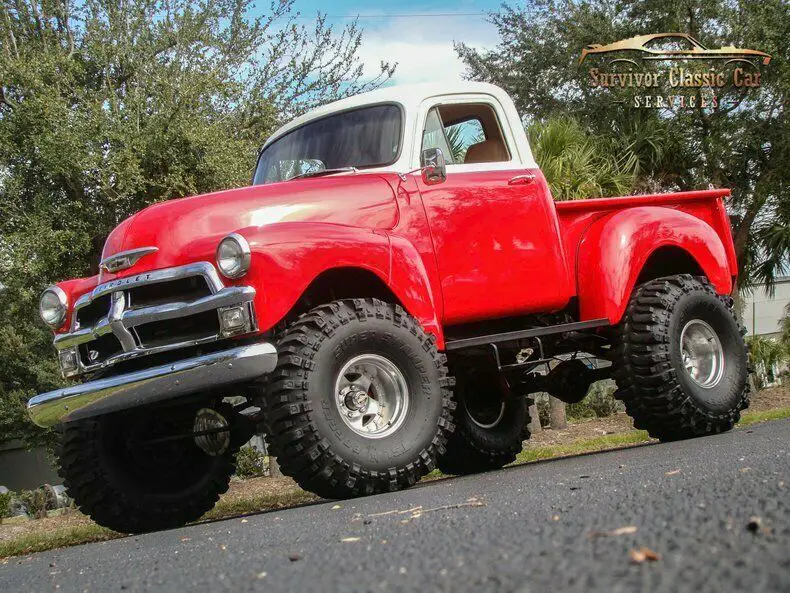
<point>233,256</point>
<point>52,306</point>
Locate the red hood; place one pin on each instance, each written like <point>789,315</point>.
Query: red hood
<point>188,229</point>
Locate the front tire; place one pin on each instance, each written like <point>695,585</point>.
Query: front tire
<point>681,361</point>
<point>360,401</point>
<point>132,487</point>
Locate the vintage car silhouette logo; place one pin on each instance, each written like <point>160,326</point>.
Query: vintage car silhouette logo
<point>671,46</point>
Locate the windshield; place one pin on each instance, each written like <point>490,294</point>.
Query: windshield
<point>366,137</point>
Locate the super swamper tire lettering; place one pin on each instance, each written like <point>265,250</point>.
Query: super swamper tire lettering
<point>313,385</point>
<point>681,362</point>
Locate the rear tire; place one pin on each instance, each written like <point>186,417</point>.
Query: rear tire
<point>490,427</point>
<point>360,401</point>
<point>134,488</point>
<point>681,361</point>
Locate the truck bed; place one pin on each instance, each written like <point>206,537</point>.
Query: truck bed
<point>576,216</point>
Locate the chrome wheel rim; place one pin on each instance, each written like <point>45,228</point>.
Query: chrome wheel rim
<point>701,353</point>
<point>371,396</point>
<point>485,422</point>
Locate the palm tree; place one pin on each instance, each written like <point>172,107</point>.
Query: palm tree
<point>785,325</point>
<point>578,166</point>
<point>457,145</point>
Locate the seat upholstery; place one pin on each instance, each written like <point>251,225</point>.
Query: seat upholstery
<point>488,151</point>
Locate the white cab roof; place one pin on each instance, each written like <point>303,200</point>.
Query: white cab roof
<point>411,97</point>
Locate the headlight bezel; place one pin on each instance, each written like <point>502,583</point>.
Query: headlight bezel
<point>62,306</point>
<point>243,256</point>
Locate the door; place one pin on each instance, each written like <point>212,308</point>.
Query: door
<point>492,221</point>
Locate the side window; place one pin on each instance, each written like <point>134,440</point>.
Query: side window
<point>433,135</point>
<point>466,133</point>
<point>462,135</point>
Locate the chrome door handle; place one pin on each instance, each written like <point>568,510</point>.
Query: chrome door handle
<point>522,179</point>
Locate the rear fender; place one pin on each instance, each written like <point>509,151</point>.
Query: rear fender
<point>613,252</point>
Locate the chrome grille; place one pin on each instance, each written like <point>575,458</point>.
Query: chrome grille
<point>99,350</point>
<point>151,312</point>
<point>182,290</point>
<point>199,327</point>
<point>90,314</point>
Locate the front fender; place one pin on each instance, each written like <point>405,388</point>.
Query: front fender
<point>287,257</point>
<point>614,250</point>
<point>410,281</point>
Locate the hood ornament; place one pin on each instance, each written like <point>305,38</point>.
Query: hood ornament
<point>125,259</point>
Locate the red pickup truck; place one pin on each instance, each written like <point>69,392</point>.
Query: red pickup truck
<point>381,301</point>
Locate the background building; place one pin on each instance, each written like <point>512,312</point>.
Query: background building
<point>762,312</point>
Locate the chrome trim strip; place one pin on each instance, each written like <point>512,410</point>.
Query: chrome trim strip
<point>63,341</point>
<point>125,259</point>
<point>227,297</point>
<point>116,322</point>
<point>204,269</point>
<point>152,385</point>
<point>124,356</point>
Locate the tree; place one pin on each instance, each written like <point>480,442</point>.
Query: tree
<point>743,144</point>
<point>766,355</point>
<point>457,144</point>
<point>784,323</point>
<point>575,165</point>
<point>107,106</point>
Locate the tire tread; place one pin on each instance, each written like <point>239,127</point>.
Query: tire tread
<point>294,438</point>
<point>646,380</point>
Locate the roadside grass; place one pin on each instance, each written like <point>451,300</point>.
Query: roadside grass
<point>602,443</point>
<point>84,531</point>
<point>57,538</point>
<point>750,418</point>
<point>226,509</point>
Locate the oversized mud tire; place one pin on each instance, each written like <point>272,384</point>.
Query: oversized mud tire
<point>132,488</point>
<point>489,428</point>
<point>681,361</point>
<point>360,401</point>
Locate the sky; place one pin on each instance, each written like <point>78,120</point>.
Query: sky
<point>421,45</point>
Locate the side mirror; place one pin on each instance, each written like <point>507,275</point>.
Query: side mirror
<point>434,167</point>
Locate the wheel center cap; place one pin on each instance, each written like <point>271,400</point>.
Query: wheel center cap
<point>356,399</point>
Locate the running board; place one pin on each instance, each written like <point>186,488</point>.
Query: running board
<point>524,333</point>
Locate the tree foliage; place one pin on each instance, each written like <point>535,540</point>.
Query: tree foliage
<point>784,324</point>
<point>743,144</point>
<point>576,165</point>
<point>109,105</point>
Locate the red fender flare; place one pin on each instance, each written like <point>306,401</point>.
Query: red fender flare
<point>615,248</point>
<point>287,257</point>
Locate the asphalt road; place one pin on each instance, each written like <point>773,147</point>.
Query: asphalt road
<point>548,526</point>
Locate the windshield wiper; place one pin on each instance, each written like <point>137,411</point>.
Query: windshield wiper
<point>323,172</point>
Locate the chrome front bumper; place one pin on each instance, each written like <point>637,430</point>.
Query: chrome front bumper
<point>152,385</point>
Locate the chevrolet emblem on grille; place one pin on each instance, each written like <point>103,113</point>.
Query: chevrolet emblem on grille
<point>125,259</point>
